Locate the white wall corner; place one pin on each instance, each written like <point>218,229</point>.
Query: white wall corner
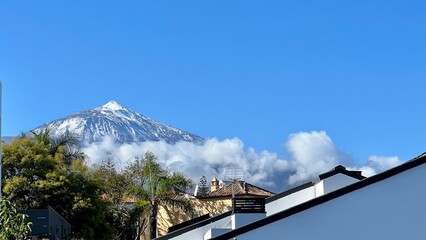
<point>214,232</point>
<point>319,188</point>
<point>241,219</point>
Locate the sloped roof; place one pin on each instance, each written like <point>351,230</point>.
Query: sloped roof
<point>196,225</point>
<point>226,191</point>
<point>239,188</point>
<point>341,169</point>
<point>417,161</point>
<point>336,170</point>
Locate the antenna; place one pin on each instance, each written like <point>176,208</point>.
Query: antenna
<point>234,173</point>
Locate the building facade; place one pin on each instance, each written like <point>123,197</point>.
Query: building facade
<point>236,219</point>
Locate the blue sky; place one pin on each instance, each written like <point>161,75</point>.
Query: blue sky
<point>256,70</point>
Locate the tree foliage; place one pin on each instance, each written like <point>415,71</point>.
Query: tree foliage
<point>39,173</point>
<point>114,186</point>
<point>65,143</point>
<point>44,171</point>
<point>202,186</point>
<point>153,187</point>
<point>13,225</point>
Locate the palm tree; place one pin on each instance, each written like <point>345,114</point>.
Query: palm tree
<point>155,187</point>
<point>68,143</point>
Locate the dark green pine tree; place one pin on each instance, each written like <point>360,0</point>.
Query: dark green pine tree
<point>202,186</point>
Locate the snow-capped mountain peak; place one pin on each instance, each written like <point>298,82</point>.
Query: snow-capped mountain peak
<point>119,123</point>
<point>113,105</point>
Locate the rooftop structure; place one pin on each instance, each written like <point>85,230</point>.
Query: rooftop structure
<point>246,209</point>
<point>238,188</point>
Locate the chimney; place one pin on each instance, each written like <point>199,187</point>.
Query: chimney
<point>214,185</point>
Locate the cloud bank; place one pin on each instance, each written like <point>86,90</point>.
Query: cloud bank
<point>310,154</point>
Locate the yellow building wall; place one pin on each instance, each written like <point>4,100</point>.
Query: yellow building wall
<point>169,216</point>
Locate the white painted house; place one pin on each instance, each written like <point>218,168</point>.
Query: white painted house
<point>390,205</point>
<point>221,226</point>
<point>327,182</point>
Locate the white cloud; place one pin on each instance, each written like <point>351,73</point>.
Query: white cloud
<point>382,163</point>
<point>311,153</point>
<point>209,159</point>
<point>377,164</point>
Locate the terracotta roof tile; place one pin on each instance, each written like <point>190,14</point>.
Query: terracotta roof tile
<point>240,188</point>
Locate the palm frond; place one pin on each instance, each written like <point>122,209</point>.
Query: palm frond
<point>138,192</point>
<point>155,186</point>
<point>42,136</point>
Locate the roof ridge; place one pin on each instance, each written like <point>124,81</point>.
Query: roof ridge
<point>417,161</point>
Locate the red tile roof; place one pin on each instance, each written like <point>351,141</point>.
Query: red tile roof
<point>239,188</point>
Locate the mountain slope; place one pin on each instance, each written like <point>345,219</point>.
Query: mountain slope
<point>118,122</point>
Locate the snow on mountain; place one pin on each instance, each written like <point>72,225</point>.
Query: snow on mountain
<point>122,124</point>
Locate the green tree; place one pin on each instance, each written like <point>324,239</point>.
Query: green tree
<point>153,187</point>
<point>114,186</point>
<point>13,224</point>
<point>202,186</point>
<point>86,210</point>
<point>27,164</point>
<point>65,143</point>
<point>37,177</point>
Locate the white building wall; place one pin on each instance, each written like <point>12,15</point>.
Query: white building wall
<point>199,233</point>
<point>337,181</point>
<point>241,219</point>
<point>391,209</point>
<point>290,200</point>
<point>319,188</point>
<point>214,232</point>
